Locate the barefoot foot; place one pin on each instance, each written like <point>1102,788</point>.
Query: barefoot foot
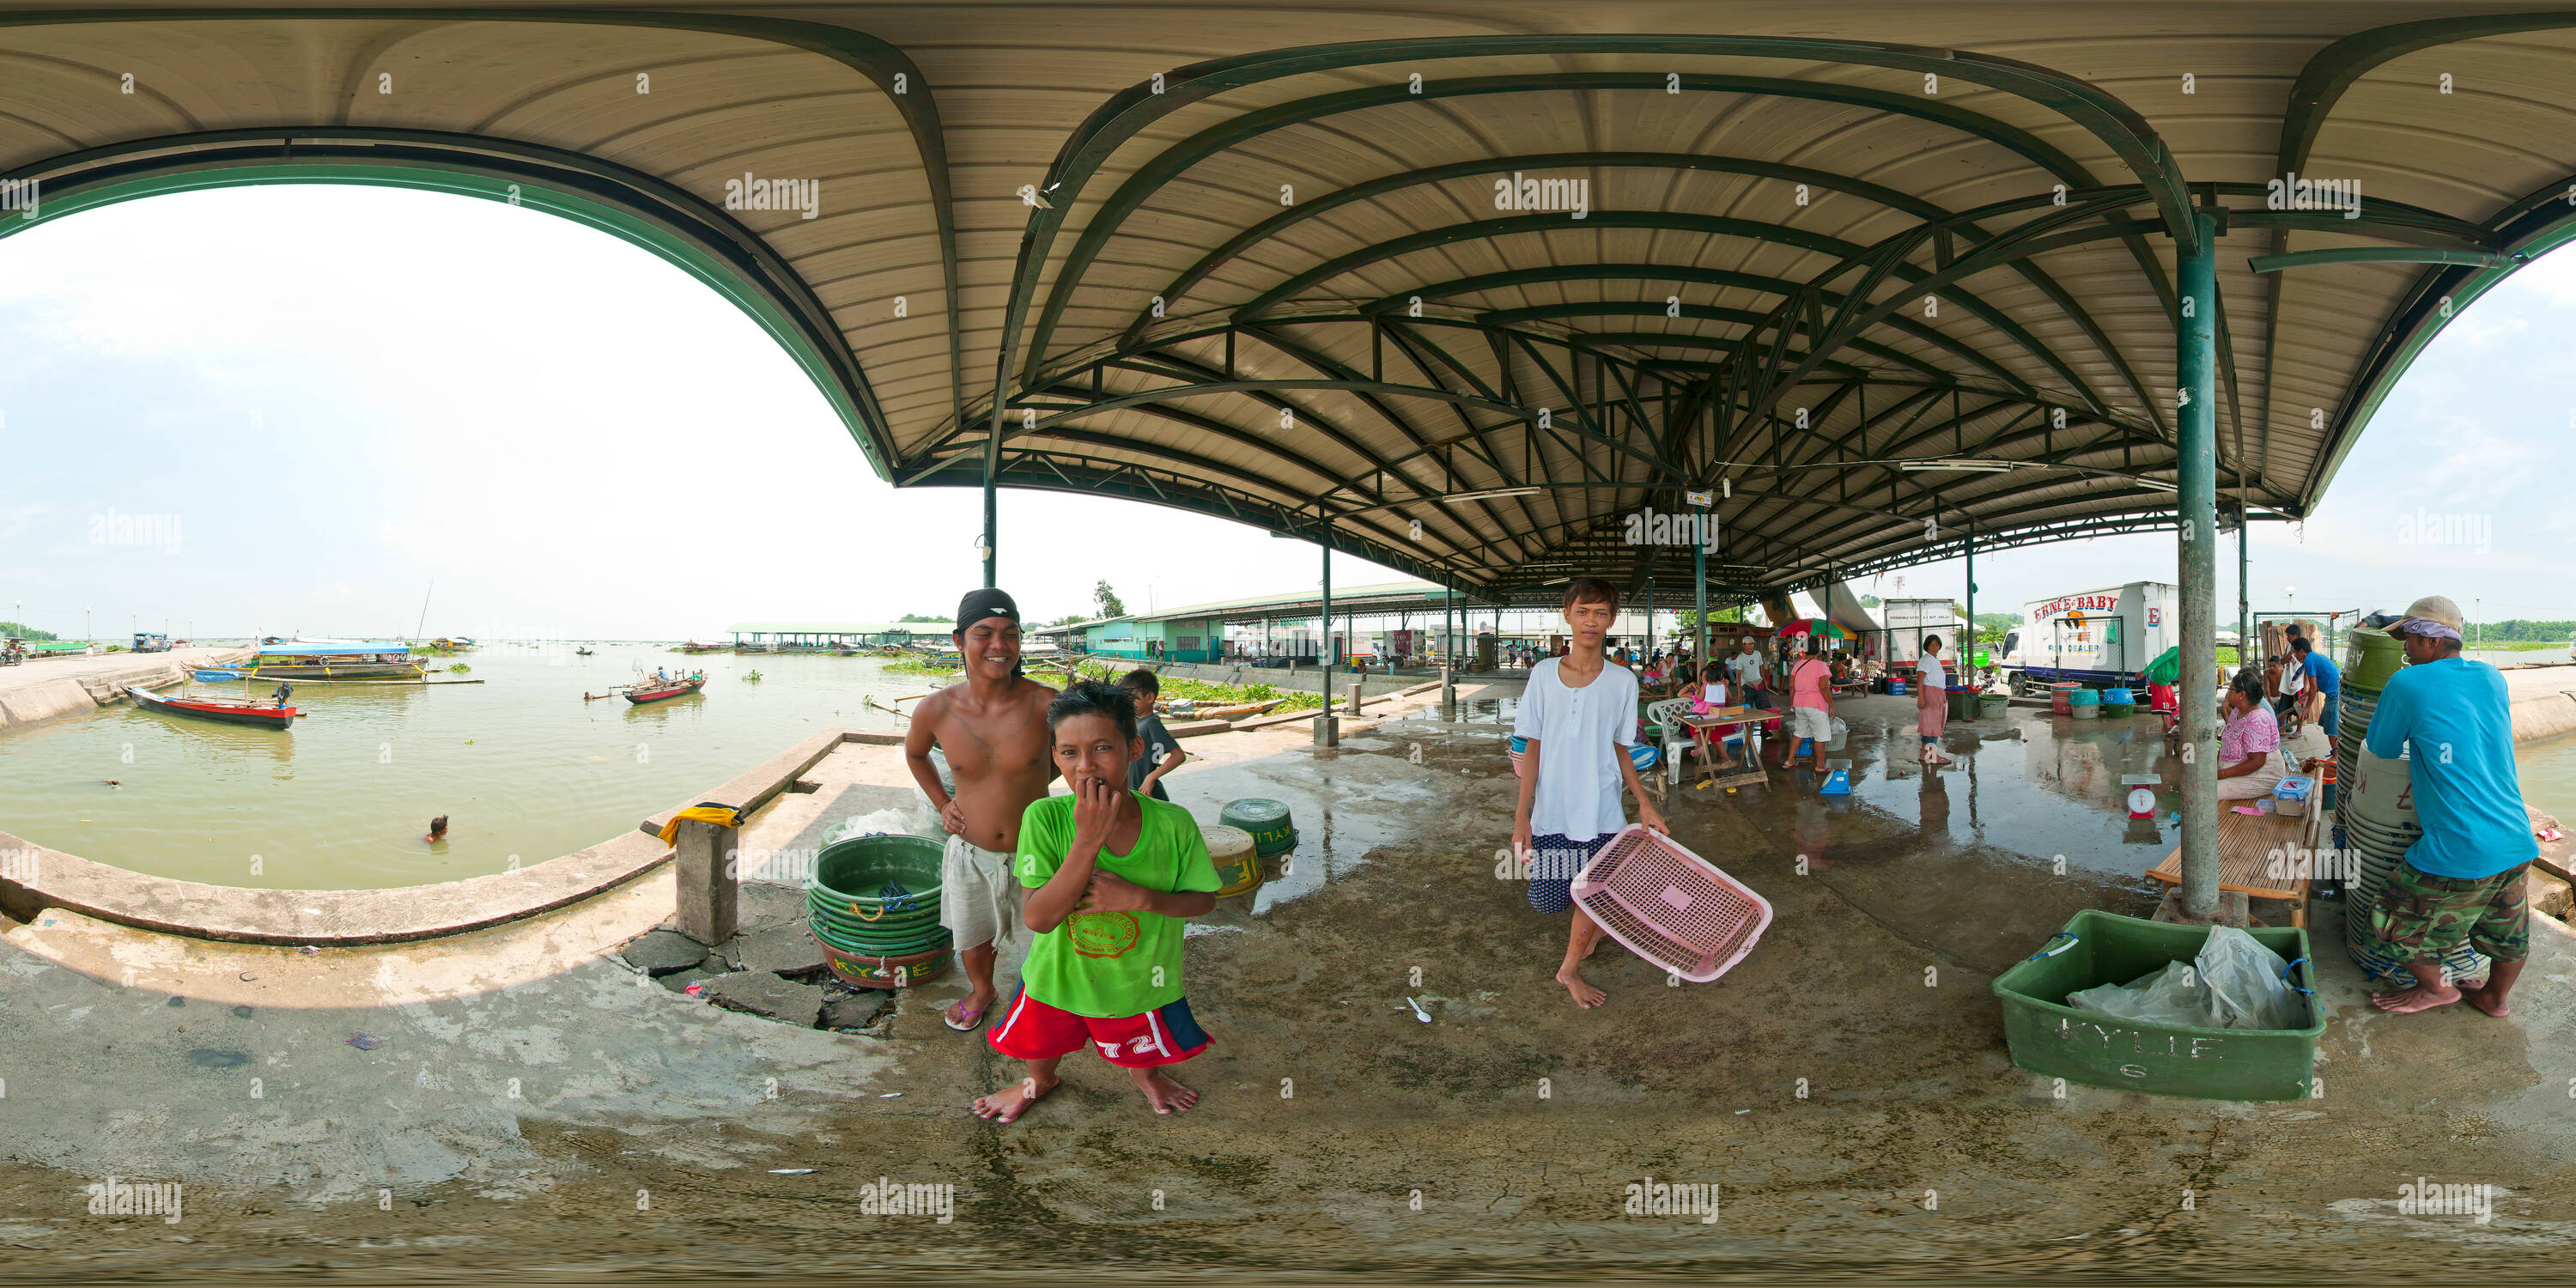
<point>2419,998</point>
<point>1585,995</point>
<point>1007,1105</point>
<point>2483,997</point>
<point>1165,1095</point>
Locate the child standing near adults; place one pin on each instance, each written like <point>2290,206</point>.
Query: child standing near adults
<point>1579,715</point>
<point>1111,876</point>
<point>1163,752</point>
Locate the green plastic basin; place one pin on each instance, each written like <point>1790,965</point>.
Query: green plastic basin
<point>854,869</point>
<point>2049,1037</point>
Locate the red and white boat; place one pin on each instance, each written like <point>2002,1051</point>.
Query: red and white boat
<point>229,710</point>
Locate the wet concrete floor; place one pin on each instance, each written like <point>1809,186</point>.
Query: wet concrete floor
<point>1846,1088</point>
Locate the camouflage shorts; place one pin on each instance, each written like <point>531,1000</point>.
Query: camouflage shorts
<point>2428,916</point>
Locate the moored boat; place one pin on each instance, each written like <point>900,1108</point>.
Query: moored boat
<point>227,710</point>
<point>306,660</point>
<point>663,690</point>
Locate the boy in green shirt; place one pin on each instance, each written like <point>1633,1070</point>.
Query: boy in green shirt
<point>1110,875</point>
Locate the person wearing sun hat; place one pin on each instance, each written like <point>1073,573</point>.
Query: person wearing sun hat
<point>2463,879</point>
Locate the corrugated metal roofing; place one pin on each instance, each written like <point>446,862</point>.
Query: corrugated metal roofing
<point>1462,287</point>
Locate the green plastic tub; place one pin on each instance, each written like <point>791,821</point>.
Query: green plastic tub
<point>915,941</point>
<point>856,868</point>
<point>893,923</point>
<point>1273,831</point>
<point>2050,1038</point>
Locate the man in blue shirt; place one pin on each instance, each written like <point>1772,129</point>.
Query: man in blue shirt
<point>2325,686</point>
<point>2463,880</point>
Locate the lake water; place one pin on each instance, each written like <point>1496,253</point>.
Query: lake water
<point>522,767</point>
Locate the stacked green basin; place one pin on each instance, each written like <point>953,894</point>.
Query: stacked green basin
<point>2374,813</point>
<point>848,910</point>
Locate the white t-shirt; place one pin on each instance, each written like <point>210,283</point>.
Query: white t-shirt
<point>1748,669</point>
<point>1930,664</point>
<point>1581,734</point>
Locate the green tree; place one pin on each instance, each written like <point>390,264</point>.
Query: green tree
<point>1997,621</point>
<point>1869,601</point>
<point>1107,601</point>
<point>921,617</point>
<point>20,630</point>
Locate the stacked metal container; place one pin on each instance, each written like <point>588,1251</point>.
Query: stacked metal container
<point>2375,810</point>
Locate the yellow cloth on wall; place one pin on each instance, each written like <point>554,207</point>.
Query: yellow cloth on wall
<point>720,815</point>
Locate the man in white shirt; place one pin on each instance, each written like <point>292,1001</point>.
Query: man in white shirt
<point>1751,672</point>
<point>1579,715</point>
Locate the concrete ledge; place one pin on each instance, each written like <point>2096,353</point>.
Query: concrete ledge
<point>34,879</point>
<point>326,917</point>
<point>753,788</point>
<point>43,689</point>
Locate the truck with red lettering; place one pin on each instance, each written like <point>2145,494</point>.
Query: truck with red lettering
<point>2097,638</point>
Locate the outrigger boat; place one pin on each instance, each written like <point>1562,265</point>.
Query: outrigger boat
<point>227,710</point>
<point>305,660</point>
<point>643,691</point>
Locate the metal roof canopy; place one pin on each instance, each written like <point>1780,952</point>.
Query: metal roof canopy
<point>1269,278</point>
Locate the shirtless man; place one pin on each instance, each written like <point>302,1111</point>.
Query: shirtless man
<point>993,730</point>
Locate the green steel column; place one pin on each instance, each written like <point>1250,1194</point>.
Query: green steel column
<point>2244,612</point>
<point>1325,650</point>
<point>1699,588</point>
<point>1650,620</point>
<point>2196,425</point>
<point>1968,653</point>
<point>992,506</point>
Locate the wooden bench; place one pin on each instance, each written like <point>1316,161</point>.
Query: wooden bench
<point>2246,847</point>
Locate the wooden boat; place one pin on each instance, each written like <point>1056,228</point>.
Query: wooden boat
<point>582,652</point>
<point>662,690</point>
<point>1236,711</point>
<point>315,660</point>
<point>227,710</point>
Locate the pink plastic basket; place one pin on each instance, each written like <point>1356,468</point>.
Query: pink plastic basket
<point>1670,906</point>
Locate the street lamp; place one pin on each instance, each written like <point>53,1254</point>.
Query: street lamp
<point>2478,606</point>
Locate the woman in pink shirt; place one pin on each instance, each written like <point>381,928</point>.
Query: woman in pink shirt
<point>1811,707</point>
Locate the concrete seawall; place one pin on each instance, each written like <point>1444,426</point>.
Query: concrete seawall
<point>43,689</point>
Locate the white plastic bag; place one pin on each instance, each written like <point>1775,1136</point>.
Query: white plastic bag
<point>913,821</point>
<point>2172,995</point>
<point>2247,982</point>
<point>2234,983</point>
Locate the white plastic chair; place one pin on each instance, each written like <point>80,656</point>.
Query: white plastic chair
<point>1665,714</point>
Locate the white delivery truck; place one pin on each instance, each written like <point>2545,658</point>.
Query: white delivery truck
<point>1909,620</point>
<point>2098,638</point>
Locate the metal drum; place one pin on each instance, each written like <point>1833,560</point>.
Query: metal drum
<point>1238,864</point>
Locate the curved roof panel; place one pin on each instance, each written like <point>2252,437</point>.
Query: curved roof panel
<point>1470,288</point>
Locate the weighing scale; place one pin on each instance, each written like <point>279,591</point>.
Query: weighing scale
<point>1837,779</point>
<point>2142,795</point>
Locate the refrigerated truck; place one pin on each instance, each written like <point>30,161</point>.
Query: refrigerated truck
<point>2097,638</point>
<point>1909,620</point>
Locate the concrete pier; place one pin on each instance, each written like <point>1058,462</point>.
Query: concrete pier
<point>42,688</point>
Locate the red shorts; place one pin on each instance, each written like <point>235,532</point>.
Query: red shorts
<point>1033,1030</point>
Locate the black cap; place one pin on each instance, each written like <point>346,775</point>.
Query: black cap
<point>991,601</point>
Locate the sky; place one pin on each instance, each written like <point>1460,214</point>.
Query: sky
<point>311,409</point>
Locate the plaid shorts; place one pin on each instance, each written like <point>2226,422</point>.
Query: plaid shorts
<point>1554,861</point>
<point>2427,916</point>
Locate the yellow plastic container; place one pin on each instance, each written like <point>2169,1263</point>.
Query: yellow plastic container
<point>1238,862</point>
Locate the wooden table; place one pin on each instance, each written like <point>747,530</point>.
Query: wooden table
<point>1714,726</point>
<point>2246,843</point>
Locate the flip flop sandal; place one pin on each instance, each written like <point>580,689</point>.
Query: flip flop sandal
<point>974,1018</point>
